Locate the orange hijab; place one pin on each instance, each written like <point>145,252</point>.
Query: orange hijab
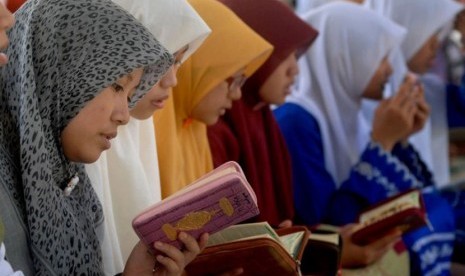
<point>183,149</point>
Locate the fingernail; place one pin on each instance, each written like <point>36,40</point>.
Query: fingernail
<point>182,236</point>
<point>160,258</point>
<point>158,245</point>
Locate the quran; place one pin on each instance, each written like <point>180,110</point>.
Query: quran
<point>221,198</point>
<point>256,247</point>
<point>405,211</point>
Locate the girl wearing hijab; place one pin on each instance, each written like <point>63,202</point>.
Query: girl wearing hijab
<point>208,83</point>
<point>427,23</point>
<point>248,133</point>
<point>6,22</point>
<point>333,180</point>
<point>126,177</point>
<point>419,49</point>
<point>81,64</point>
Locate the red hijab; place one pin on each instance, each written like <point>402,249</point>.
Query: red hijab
<point>251,136</point>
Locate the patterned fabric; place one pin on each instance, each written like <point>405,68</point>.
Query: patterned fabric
<point>66,52</point>
<point>376,176</point>
<point>132,157</point>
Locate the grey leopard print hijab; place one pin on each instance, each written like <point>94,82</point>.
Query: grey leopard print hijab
<point>62,53</point>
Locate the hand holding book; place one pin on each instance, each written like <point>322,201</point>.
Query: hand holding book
<point>405,212</point>
<point>256,247</point>
<point>219,199</point>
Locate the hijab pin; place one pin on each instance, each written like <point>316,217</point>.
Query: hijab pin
<point>187,122</point>
<point>71,185</point>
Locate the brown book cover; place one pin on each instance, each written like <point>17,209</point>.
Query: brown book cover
<point>405,211</point>
<point>257,254</point>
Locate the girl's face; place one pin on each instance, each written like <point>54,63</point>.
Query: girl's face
<point>156,97</point>
<point>278,85</point>
<point>89,133</point>
<point>220,98</point>
<point>375,87</point>
<point>424,58</point>
<point>7,21</point>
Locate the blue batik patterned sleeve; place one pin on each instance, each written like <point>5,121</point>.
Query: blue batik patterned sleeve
<point>407,154</point>
<point>377,176</point>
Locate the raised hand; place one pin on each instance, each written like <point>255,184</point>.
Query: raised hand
<point>395,117</point>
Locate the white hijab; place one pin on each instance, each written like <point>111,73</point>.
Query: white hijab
<point>126,177</point>
<point>351,45</point>
<point>304,6</point>
<point>423,19</point>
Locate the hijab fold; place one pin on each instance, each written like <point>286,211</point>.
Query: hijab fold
<point>231,46</point>
<point>63,54</point>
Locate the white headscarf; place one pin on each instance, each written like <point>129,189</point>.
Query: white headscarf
<point>304,6</point>
<point>352,43</point>
<point>423,19</point>
<point>126,177</point>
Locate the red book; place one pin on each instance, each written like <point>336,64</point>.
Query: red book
<point>219,199</point>
<point>405,211</point>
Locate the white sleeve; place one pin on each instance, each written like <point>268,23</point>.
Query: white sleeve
<point>5,267</point>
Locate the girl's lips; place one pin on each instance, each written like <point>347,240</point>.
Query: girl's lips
<point>106,140</point>
<point>158,103</point>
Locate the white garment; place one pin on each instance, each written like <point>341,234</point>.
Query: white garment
<point>5,267</point>
<point>173,22</point>
<point>422,19</point>
<point>433,140</point>
<point>304,6</point>
<point>126,177</point>
<point>352,43</point>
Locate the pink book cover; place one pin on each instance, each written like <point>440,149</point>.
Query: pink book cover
<point>221,198</point>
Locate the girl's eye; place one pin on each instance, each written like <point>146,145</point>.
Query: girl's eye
<point>117,87</point>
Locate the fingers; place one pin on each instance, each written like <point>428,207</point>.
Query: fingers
<point>384,243</point>
<point>174,259</point>
<point>192,247</point>
<point>169,264</point>
<point>203,241</point>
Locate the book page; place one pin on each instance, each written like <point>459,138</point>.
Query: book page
<point>409,200</point>
<point>241,231</point>
<point>292,242</point>
<point>332,238</point>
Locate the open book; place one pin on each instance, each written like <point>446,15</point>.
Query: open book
<point>405,211</point>
<point>219,199</point>
<point>256,247</point>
